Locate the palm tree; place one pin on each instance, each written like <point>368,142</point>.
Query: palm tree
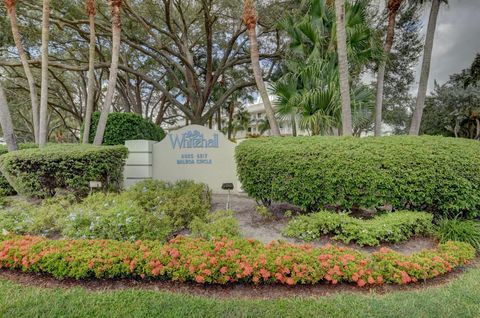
<point>6,122</point>
<point>112,81</point>
<point>343,68</point>
<point>91,72</point>
<point>250,20</point>
<point>12,15</point>
<point>393,6</point>
<point>425,72</point>
<point>309,89</point>
<point>43,122</point>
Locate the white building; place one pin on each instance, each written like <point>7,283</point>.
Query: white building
<point>257,116</point>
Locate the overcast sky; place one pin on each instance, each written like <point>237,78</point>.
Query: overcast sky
<point>457,39</point>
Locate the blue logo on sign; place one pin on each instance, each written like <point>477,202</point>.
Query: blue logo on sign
<point>193,139</point>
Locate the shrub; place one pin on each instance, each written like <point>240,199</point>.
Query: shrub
<point>459,230</point>
<point>226,261</point>
<point>218,224</point>
<point>391,227</point>
<point>5,187</point>
<point>24,218</point>
<point>40,172</point>
<point>114,216</point>
<point>130,215</point>
<point>434,174</point>
<point>182,201</point>
<point>126,126</point>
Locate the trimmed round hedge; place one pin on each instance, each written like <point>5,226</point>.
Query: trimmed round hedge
<point>5,187</point>
<point>126,126</point>
<point>41,172</point>
<point>434,174</point>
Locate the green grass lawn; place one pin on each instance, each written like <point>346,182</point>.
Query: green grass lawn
<point>460,298</point>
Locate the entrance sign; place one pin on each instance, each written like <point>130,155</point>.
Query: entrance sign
<point>193,153</point>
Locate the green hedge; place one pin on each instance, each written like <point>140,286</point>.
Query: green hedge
<point>126,126</point>
<point>41,172</point>
<point>5,187</point>
<point>390,227</point>
<point>434,174</point>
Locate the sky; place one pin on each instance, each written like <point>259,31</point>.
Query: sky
<point>457,39</point>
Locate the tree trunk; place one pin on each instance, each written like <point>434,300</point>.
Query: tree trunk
<point>6,122</point>
<point>91,82</point>
<point>275,131</point>
<point>294,126</point>
<point>477,137</point>
<point>112,81</point>
<point>425,73</point>
<point>219,119</point>
<point>343,68</point>
<point>231,111</point>
<point>250,19</point>
<point>12,14</point>
<point>393,7</point>
<point>43,126</point>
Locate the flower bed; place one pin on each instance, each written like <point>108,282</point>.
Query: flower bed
<point>226,261</point>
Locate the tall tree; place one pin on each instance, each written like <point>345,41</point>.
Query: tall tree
<point>91,10</point>
<point>116,6</point>
<point>393,6</point>
<point>425,72</point>
<point>12,15</point>
<point>43,122</point>
<point>343,68</point>
<point>6,122</point>
<point>400,73</point>
<point>250,20</point>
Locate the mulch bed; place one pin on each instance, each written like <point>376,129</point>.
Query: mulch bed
<point>238,291</point>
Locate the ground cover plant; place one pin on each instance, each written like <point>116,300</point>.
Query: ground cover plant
<point>182,200</point>
<point>42,172</point>
<point>226,260</point>
<point>114,216</point>
<point>149,210</point>
<point>392,227</point>
<point>434,174</point>
<point>217,224</point>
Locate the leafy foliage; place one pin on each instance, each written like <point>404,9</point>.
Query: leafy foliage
<point>226,261</point>
<point>391,227</point>
<point>41,172</point>
<point>453,109</point>
<point>123,216</point>
<point>308,92</point>
<point>182,201</point>
<point>217,225</point>
<point>433,174</point>
<point>115,216</point>
<point>126,126</point>
<point>459,230</point>
<point>21,217</point>
<point>5,187</point>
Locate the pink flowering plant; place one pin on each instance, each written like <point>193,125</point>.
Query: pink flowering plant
<point>226,260</point>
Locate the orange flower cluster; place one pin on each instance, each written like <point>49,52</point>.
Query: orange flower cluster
<point>225,261</point>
